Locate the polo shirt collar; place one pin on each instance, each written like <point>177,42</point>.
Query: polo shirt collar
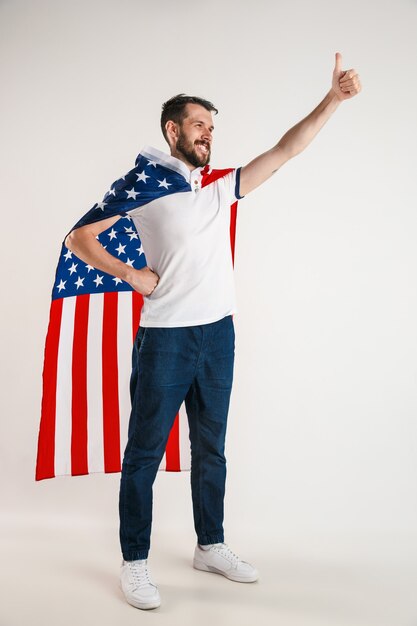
<point>170,161</point>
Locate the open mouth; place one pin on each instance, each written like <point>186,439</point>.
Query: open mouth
<point>203,147</point>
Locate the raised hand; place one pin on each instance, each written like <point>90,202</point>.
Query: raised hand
<point>345,84</point>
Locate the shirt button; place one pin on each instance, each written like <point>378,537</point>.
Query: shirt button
<point>196,182</point>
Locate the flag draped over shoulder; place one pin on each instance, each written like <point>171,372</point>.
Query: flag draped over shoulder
<point>93,322</point>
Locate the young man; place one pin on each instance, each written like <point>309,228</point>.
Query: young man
<point>184,348</point>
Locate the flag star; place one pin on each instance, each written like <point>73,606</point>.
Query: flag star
<point>121,249</point>
<point>140,250</point>
<point>68,255</point>
<point>98,280</point>
<point>112,234</point>
<point>163,183</point>
<point>129,229</point>
<point>110,192</point>
<point>142,176</point>
<point>132,236</point>
<point>129,262</point>
<point>101,205</point>
<point>132,193</point>
<point>79,282</point>
<point>73,268</point>
<point>117,280</point>
<point>127,217</point>
<point>152,163</point>
<point>89,268</point>
<point>61,285</point>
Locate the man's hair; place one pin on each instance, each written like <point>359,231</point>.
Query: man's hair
<point>174,109</point>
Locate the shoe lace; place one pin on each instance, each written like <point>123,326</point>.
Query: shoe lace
<point>140,573</point>
<point>224,549</point>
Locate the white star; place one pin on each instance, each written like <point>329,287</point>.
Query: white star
<point>101,205</point>
<point>132,236</point>
<point>112,234</point>
<point>143,176</point>
<point>140,250</point>
<point>89,268</point>
<point>68,255</point>
<point>132,193</point>
<point>73,268</point>
<point>61,285</point>
<point>79,282</point>
<point>152,163</point>
<point>129,262</point>
<point>121,249</point>
<point>117,280</point>
<point>128,229</point>
<point>110,192</point>
<point>127,217</point>
<point>163,183</point>
<point>98,280</point>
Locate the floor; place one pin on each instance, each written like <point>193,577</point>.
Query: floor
<point>67,575</point>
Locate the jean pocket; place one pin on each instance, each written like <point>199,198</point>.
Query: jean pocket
<point>142,338</point>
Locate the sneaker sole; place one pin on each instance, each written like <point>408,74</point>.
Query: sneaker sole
<point>144,607</point>
<point>210,568</point>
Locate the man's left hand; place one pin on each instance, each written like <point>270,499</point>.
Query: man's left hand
<point>345,84</point>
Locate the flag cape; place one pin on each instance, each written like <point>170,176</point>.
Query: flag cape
<point>93,322</point>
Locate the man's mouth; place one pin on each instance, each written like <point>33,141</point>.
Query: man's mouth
<point>203,147</point>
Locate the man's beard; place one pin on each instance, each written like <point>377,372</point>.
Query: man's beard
<point>188,150</point>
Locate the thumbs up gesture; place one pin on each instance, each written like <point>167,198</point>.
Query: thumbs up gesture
<point>345,84</point>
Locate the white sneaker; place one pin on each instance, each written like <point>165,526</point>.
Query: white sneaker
<point>221,560</point>
<point>136,584</point>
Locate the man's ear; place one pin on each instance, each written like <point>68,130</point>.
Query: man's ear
<point>172,130</point>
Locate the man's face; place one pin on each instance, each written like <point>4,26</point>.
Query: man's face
<point>195,136</point>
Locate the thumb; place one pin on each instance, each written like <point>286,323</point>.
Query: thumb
<point>338,65</point>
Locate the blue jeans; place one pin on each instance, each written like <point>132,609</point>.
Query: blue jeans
<point>171,365</point>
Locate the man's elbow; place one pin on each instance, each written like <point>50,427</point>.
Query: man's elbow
<point>69,240</point>
<point>73,239</point>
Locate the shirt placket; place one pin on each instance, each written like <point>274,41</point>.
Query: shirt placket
<point>196,180</point>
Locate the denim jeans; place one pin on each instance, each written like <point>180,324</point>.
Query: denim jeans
<point>171,365</point>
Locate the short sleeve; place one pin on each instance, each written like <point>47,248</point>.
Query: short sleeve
<point>232,183</point>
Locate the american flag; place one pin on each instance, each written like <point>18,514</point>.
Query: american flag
<point>93,322</point>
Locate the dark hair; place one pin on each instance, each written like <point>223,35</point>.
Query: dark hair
<point>174,109</point>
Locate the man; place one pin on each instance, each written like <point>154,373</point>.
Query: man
<point>184,348</point>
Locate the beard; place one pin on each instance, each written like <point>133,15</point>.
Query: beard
<point>189,151</point>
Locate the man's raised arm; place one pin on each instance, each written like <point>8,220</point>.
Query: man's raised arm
<point>345,85</point>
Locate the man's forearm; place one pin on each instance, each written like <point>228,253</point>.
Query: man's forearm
<point>90,250</point>
<point>299,136</point>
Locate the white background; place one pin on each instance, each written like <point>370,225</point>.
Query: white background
<point>322,434</point>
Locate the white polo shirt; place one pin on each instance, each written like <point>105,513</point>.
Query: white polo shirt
<point>186,240</point>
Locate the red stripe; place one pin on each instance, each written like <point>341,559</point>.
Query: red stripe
<point>79,461</point>
<point>137,302</point>
<point>233,212</point>
<point>172,450</point>
<point>45,463</point>
<point>111,421</point>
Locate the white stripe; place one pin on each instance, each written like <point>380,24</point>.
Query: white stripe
<point>124,362</point>
<point>63,419</point>
<point>95,445</point>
